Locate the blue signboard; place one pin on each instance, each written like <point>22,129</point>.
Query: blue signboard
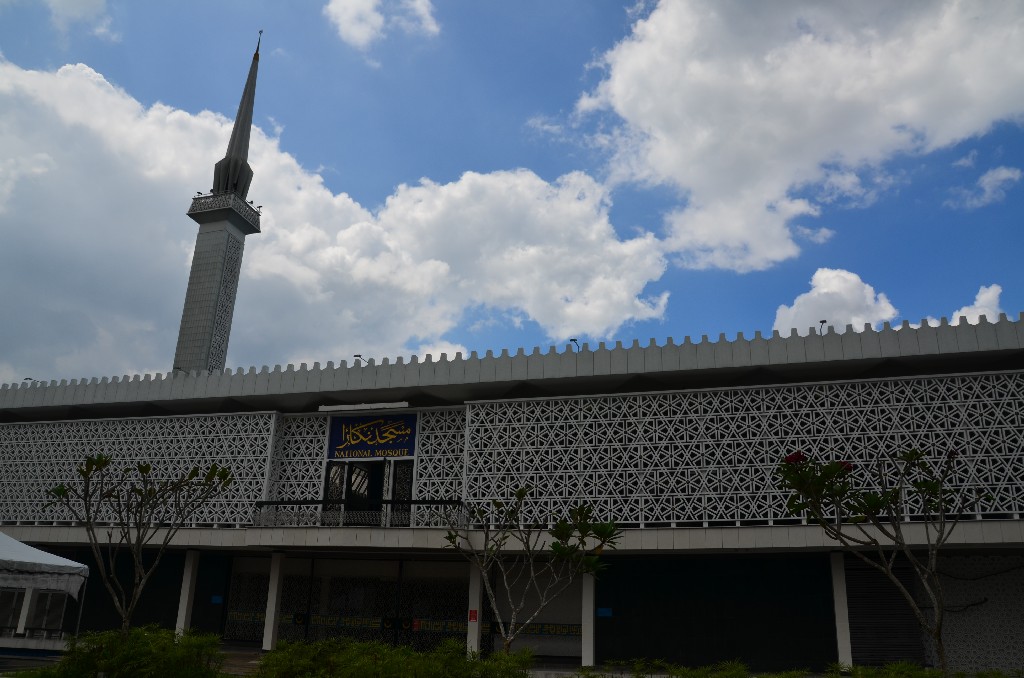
<point>372,437</point>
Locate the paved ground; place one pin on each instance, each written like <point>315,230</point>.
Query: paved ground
<point>240,660</point>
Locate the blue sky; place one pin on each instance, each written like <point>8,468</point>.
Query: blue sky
<point>445,176</point>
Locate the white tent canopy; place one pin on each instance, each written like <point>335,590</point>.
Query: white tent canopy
<point>24,567</point>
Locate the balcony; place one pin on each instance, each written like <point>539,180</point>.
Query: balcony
<point>336,513</point>
<point>228,207</point>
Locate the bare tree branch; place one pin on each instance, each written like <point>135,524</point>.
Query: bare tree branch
<point>526,559</point>
<point>135,506</point>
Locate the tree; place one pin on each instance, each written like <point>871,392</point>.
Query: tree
<point>868,514</point>
<point>132,506</point>
<point>527,559</point>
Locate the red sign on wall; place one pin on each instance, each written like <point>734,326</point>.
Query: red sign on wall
<point>472,615</point>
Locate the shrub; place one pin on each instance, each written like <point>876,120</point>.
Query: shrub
<point>147,652</point>
<point>735,669</point>
<point>341,658</point>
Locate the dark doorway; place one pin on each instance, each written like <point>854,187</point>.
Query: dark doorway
<point>773,612</point>
<point>334,491</point>
<point>364,493</point>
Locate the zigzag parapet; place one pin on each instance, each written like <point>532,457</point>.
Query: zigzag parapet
<point>777,350</point>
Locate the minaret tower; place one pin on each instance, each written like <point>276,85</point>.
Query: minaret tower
<point>224,219</point>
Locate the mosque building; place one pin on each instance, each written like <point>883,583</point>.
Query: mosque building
<point>345,476</point>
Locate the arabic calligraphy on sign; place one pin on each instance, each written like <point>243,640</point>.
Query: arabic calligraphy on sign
<point>372,437</point>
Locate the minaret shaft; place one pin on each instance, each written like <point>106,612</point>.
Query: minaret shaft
<point>224,219</point>
<point>210,299</point>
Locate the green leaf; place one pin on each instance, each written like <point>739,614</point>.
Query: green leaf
<point>606,533</point>
<point>562,531</point>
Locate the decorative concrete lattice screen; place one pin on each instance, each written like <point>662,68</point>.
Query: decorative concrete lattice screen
<point>36,457</point>
<point>297,467</point>
<point>983,625</point>
<point>706,457</point>
<point>440,462</point>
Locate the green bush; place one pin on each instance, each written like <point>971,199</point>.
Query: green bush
<point>147,652</point>
<point>341,658</point>
<point>640,668</point>
<point>893,670</point>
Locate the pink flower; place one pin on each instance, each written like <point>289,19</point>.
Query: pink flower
<point>795,458</point>
<point>846,466</point>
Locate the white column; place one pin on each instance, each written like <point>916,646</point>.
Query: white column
<point>841,608</point>
<point>273,601</point>
<point>27,603</point>
<point>188,592</point>
<point>474,613</point>
<point>587,613</point>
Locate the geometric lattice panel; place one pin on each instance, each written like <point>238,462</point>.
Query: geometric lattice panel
<point>440,464</point>
<point>35,457</point>
<point>707,457</point>
<point>682,458</point>
<point>247,606</point>
<point>299,455</point>
<point>228,288</point>
<point>983,624</point>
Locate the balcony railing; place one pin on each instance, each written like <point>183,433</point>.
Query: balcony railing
<point>334,513</point>
<point>223,202</point>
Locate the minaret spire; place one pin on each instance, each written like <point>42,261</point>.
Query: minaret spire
<point>232,173</point>
<point>224,219</point>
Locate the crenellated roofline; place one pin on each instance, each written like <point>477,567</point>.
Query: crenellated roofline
<point>906,350</point>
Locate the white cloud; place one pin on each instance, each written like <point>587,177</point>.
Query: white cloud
<point>967,160</point>
<point>990,188</point>
<point>847,188</point>
<point>986,303</point>
<point>436,349</point>
<point>360,23</point>
<point>96,280</point>
<point>819,236</point>
<point>418,17</point>
<point>8,374</point>
<point>744,106</point>
<point>513,241</point>
<point>14,168</point>
<point>64,13</point>
<point>547,126</point>
<point>838,297</point>
<point>103,30</point>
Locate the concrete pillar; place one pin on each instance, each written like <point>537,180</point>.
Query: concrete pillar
<point>27,603</point>
<point>273,601</point>
<point>587,613</point>
<point>475,612</point>
<point>188,592</point>
<point>842,609</point>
